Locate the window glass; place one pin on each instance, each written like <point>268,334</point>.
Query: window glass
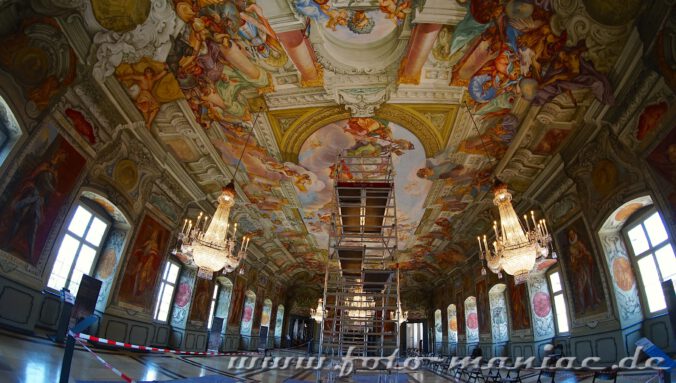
<point>666,261</point>
<point>561,314</point>
<point>651,284</point>
<point>654,257</point>
<point>655,229</point>
<point>560,311</point>
<point>166,291</point>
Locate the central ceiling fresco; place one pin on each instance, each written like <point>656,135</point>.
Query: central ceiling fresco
<point>315,78</point>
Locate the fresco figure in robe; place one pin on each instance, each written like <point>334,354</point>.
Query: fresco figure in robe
<point>28,205</point>
<point>582,264</point>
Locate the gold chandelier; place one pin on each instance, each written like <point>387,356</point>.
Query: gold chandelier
<point>212,247</point>
<point>515,250</point>
<point>318,313</point>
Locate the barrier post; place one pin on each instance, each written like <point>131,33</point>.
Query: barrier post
<point>70,346</point>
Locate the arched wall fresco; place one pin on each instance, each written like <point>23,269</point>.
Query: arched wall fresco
<point>279,321</point>
<point>617,258</point>
<point>248,313</point>
<point>451,314</point>
<point>224,299</point>
<point>498,310</point>
<point>471,320</point>
<point>438,330</point>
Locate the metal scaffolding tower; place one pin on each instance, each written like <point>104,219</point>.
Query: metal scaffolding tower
<point>361,295</point>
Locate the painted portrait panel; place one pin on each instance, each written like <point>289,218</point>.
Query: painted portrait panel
<point>145,259</point>
<point>237,301</point>
<point>199,311</point>
<point>518,298</point>
<point>582,271</point>
<point>248,314</point>
<point>483,309</point>
<point>37,193</point>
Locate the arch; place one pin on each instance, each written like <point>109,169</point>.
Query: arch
<point>616,255</point>
<point>293,138</point>
<point>438,331</point>
<point>452,317</point>
<point>247,313</point>
<point>279,321</point>
<point>471,320</point>
<point>498,307</point>
<point>224,299</point>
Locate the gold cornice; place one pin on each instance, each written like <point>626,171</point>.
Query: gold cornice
<point>408,116</point>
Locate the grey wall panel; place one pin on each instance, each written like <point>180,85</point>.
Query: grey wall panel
<point>115,330</point>
<point>607,349</point>
<point>162,335</point>
<point>658,332</point>
<point>140,335</point>
<point>583,348</point>
<point>49,312</point>
<point>17,306</point>
<point>190,341</point>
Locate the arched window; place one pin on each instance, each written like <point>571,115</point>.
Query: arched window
<point>451,313</point>
<point>223,303</point>
<point>279,321</point>
<point>438,334</point>
<point>247,313</point>
<point>653,255</point>
<point>9,130</point>
<point>498,304</point>
<point>80,245</point>
<point>471,320</point>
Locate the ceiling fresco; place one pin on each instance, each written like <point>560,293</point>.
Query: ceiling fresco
<point>457,91</point>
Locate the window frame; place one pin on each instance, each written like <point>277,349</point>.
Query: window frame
<point>552,296</point>
<point>160,292</point>
<point>96,212</point>
<point>637,220</point>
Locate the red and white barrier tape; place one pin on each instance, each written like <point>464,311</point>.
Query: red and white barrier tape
<point>156,349</point>
<point>113,369</point>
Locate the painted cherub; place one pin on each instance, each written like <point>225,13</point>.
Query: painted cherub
<point>146,101</point>
<point>336,16</point>
<point>396,10</point>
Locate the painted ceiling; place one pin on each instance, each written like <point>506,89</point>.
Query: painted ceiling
<point>315,77</point>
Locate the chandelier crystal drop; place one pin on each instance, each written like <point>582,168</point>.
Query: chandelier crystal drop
<point>515,250</point>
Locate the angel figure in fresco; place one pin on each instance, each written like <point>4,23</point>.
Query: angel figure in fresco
<point>396,10</point>
<point>145,100</point>
<point>261,38</point>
